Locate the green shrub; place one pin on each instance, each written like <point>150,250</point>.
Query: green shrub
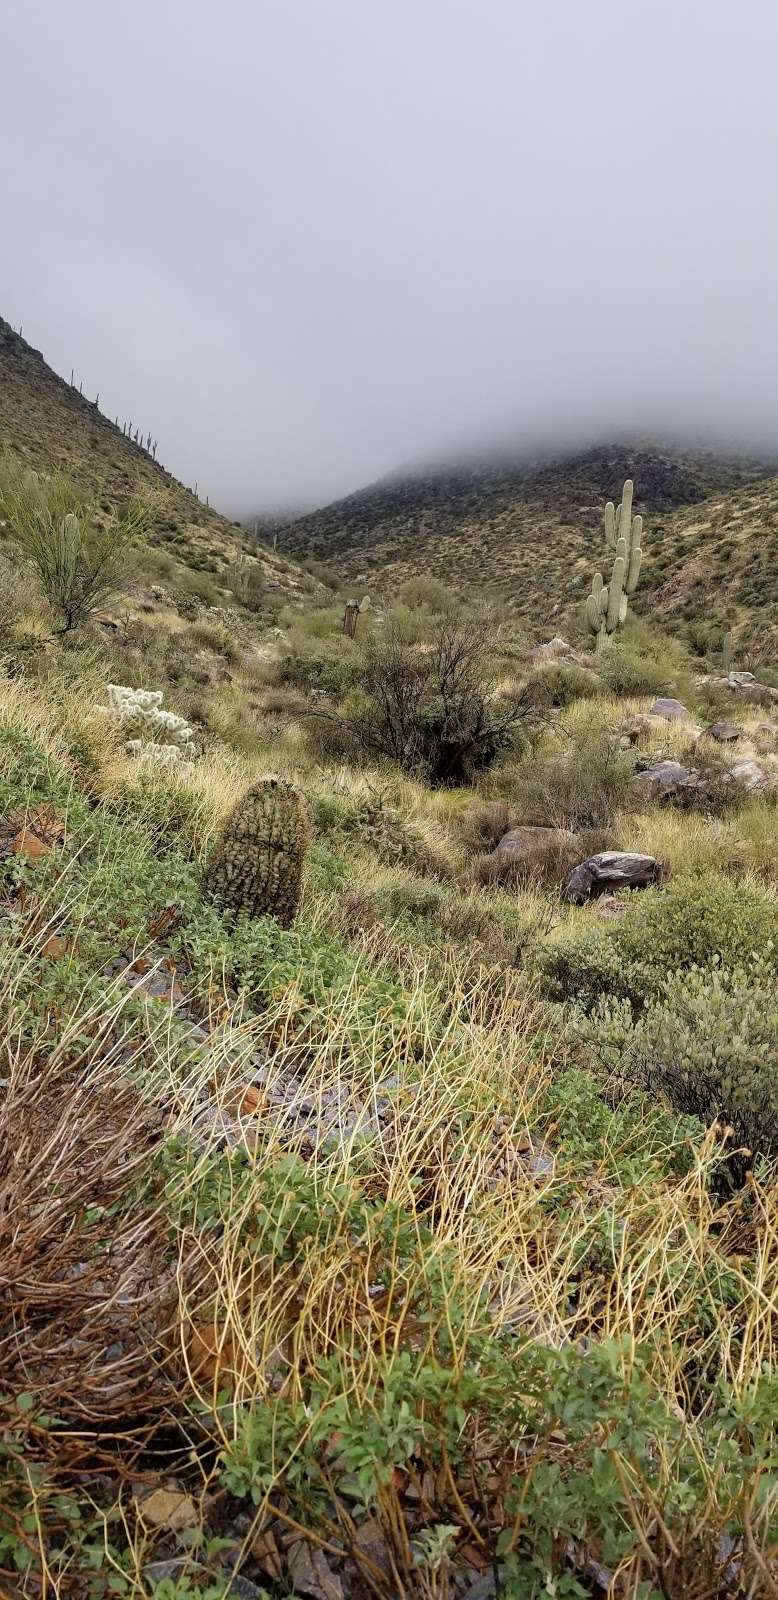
<point>427,593</point>
<point>626,672</point>
<point>708,1043</point>
<point>558,684</point>
<point>581,785</point>
<point>698,923</point>
<point>326,667</point>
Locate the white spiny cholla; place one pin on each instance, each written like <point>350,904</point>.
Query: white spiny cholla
<point>150,730</point>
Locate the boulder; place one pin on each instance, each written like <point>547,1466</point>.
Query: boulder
<point>529,850</point>
<point>671,710</point>
<point>611,869</point>
<point>750,775</point>
<point>552,651</point>
<point>525,842</point>
<point>724,732</point>
<point>746,685</point>
<point>663,780</point>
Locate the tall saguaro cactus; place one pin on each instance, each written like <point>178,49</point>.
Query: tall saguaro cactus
<point>606,606</point>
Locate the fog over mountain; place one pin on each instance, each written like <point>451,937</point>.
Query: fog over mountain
<point>303,243</point>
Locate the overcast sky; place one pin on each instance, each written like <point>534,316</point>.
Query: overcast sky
<point>304,241</point>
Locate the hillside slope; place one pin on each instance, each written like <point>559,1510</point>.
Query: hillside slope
<point>54,427</point>
<point>533,532</point>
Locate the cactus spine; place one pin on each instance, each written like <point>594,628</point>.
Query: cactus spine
<point>256,868</point>
<point>606,606</point>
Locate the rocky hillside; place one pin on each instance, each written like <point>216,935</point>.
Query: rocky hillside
<point>52,425</point>
<point>532,532</point>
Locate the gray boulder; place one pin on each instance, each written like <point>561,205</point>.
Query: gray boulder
<point>611,869</point>
<point>529,844</point>
<point>663,780</point>
<point>671,710</point>
<point>724,732</point>
<point>750,775</point>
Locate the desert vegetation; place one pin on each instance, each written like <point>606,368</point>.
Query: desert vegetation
<point>380,1216</point>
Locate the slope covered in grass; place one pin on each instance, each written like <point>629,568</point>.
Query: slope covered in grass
<point>342,1260</point>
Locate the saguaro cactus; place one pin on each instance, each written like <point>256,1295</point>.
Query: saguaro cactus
<point>606,606</point>
<point>256,868</point>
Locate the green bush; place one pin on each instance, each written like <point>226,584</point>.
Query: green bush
<point>708,1043</point>
<point>581,785</point>
<point>321,667</point>
<point>624,671</point>
<point>428,593</point>
<point>692,924</point>
<point>558,684</point>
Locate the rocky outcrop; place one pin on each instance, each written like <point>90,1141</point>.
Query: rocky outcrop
<point>724,732</point>
<point>611,869</point>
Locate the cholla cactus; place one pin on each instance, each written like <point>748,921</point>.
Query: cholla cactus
<point>606,606</point>
<point>140,716</point>
<point>256,868</point>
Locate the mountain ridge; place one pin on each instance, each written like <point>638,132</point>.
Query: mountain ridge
<point>531,533</point>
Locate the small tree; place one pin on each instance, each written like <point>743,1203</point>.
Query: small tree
<point>77,559</point>
<point>434,708</point>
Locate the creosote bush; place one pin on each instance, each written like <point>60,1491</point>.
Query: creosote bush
<point>256,868</point>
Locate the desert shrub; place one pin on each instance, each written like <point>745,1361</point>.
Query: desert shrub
<point>624,671</point>
<point>245,580</point>
<point>435,708</point>
<point>428,593</point>
<point>324,667</point>
<point>322,573</point>
<point>559,684</point>
<point>708,1043</point>
<point>582,784</point>
<point>485,824</point>
<point>77,558</point>
<point>216,637</point>
<point>692,924</point>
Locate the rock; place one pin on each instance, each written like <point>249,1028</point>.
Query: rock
<point>170,1509</point>
<point>310,1573</point>
<point>745,684</point>
<point>611,869</point>
<point>750,775</point>
<point>530,845</point>
<point>724,732</point>
<point>551,651</point>
<point>671,710</point>
<point>663,780</point>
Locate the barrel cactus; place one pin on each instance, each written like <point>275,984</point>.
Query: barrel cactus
<point>256,868</point>
<point>606,606</point>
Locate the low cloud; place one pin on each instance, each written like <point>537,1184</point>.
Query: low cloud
<point>305,243</point>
